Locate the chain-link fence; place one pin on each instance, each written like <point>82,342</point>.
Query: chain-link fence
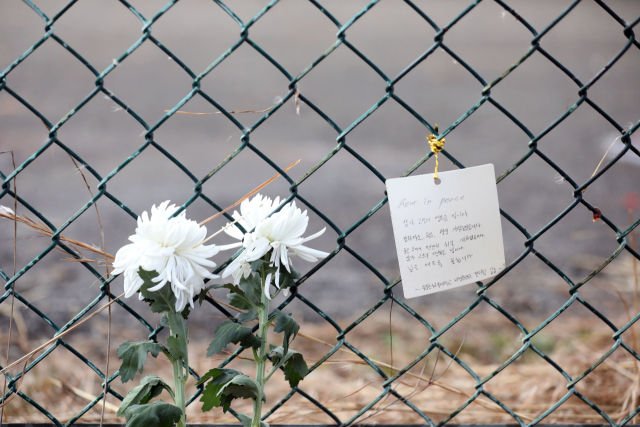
<point>297,192</point>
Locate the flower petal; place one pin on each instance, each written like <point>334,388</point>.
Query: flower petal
<point>267,284</point>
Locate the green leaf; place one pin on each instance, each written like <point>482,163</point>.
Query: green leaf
<point>242,386</point>
<point>134,397</point>
<point>177,344</point>
<point>225,403</point>
<point>177,325</point>
<point>276,353</point>
<point>162,300</point>
<point>239,298</point>
<point>156,414</point>
<point>133,356</point>
<point>212,395</point>
<point>285,323</point>
<point>150,387</point>
<point>295,368</point>
<point>250,315</point>
<point>252,288</point>
<point>295,273</point>
<point>239,301</point>
<point>219,375</point>
<point>230,332</point>
<point>203,294</point>
<point>156,391</point>
<point>236,296</point>
<point>233,288</point>
<point>147,276</point>
<point>185,312</point>
<point>287,279</point>
<point>177,349</point>
<point>246,420</point>
<point>257,264</point>
<point>269,270</point>
<point>154,380</point>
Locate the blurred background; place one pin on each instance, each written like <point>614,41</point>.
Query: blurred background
<point>295,34</point>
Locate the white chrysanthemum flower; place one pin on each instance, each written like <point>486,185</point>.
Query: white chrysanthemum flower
<point>281,233</point>
<point>171,247</point>
<point>252,212</point>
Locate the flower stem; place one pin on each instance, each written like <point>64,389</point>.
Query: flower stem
<point>179,380</point>
<point>261,361</point>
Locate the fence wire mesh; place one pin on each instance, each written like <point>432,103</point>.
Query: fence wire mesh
<point>297,192</point>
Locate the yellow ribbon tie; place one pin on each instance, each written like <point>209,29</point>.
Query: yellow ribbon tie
<point>436,146</point>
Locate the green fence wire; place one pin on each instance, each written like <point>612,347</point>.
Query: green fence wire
<point>386,285</point>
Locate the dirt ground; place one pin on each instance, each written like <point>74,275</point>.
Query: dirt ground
<point>295,33</point>
<point>345,385</point>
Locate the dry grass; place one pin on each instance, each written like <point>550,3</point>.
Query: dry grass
<point>345,385</point>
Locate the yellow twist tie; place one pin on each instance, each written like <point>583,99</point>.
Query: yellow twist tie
<point>436,146</point>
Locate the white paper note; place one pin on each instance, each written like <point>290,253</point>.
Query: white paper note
<point>447,234</point>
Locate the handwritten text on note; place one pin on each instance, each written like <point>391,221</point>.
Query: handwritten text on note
<point>447,234</point>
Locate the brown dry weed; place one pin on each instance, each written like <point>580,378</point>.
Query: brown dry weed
<point>345,384</point>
